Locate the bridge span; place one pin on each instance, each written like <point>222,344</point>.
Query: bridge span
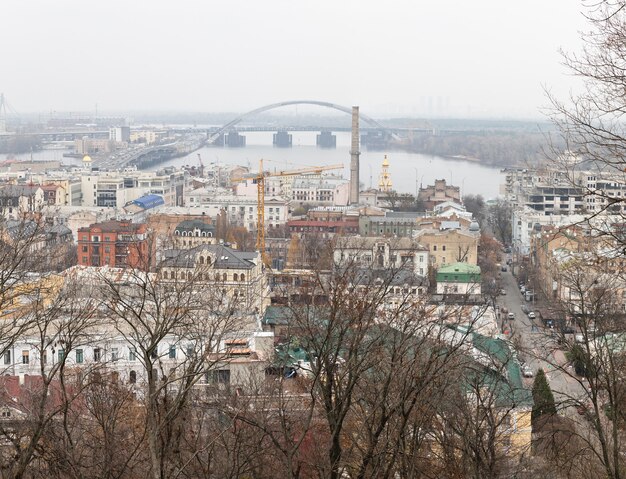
<point>213,136</point>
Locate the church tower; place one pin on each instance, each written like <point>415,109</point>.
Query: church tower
<point>384,183</point>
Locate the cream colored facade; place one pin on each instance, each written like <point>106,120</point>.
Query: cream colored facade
<point>450,246</point>
<point>237,277</point>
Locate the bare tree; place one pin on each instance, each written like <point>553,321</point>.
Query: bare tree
<point>175,326</point>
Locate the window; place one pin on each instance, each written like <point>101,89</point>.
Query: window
<point>221,376</point>
<point>114,354</point>
<point>85,248</point>
<point>61,355</point>
<point>7,357</point>
<point>132,354</point>
<point>25,356</point>
<point>443,248</point>
<point>133,377</point>
<point>79,356</point>
<point>97,353</point>
<point>435,247</point>
<point>172,353</point>
<point>235,277</point>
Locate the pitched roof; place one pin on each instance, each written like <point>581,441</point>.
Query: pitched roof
<point>225,257</point>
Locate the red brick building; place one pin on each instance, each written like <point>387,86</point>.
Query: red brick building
<point>113,243</point>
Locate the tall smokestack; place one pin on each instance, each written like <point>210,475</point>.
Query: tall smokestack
<point>354,158</point>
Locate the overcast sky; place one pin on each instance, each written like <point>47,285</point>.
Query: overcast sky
<point>399,57</point>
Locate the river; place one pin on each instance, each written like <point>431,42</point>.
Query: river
<point>408,170</point>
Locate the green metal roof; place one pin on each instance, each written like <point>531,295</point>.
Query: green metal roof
<point>463,268</point>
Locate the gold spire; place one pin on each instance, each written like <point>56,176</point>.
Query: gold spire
<point>384,182</point>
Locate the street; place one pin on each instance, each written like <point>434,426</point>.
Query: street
<point>537,348</point>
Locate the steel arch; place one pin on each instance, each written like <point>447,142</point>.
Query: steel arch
<point>326,104</point>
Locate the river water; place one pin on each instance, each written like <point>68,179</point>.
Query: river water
<point>408,170</point>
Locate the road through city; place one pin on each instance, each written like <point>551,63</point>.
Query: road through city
<point>537,346</point>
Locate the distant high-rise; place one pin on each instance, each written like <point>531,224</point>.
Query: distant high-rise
<point>119,133</point>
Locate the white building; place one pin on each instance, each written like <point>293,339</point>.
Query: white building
<point>118,188</point>
<point>119,134</point>
<point>241,210</point>
<point>382,253</point>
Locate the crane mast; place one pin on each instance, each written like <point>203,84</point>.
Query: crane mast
<point>259,179</point>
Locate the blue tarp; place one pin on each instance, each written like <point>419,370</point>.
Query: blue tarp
<point>149,201</point>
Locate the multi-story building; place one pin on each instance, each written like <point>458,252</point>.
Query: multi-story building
<point>90,146</point>
<point>19,201</point>
<point>392,223</point>
<point>240,210</point>
<point>115,244</point>
<point>238,276</point>
<point>118,188</point>
<point>553,191</point>
<point>326,222</point>
<point>238,359</point>
<point>54,194</point>
<point>119,134</point>
<point>382,253</point>
<point>450,243</point>
<point>526,220</point>
<point>458,278</point>
<point>192,233</point>
<point>321,190</point>
<point>438,193</point>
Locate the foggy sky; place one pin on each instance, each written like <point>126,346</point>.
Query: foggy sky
<point>400,57</point>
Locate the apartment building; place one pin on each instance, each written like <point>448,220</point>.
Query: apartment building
<point>382,253</point>
<point>19,201</point>
<point>114,244</point>
<point>240,210</point>
<point>450,243</point>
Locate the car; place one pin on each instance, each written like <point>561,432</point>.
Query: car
<point>511,316</point>
<point>568,330</point>
<point>531,315</point>
<point>525,309</point>
<point>579,338</point>
<point>503,269</point>
<point>527,371</point>
<point>503,292</point>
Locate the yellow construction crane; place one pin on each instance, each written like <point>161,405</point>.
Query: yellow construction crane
<point>259,179</point>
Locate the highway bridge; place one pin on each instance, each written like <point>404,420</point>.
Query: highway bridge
<point>145,156</point>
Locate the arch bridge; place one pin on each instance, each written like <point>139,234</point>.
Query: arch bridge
<point>369,120</point>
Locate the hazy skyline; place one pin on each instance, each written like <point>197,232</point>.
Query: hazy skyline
<point>485,58</point>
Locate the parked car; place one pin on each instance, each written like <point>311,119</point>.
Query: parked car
<point>527,371</point>
<point>579,338</point>
<point>503,292</point>
<point>511,316</point>
<point>525,309</point>
<point>503,269</point>
<point>531,315</point>
<point>568,330</point>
